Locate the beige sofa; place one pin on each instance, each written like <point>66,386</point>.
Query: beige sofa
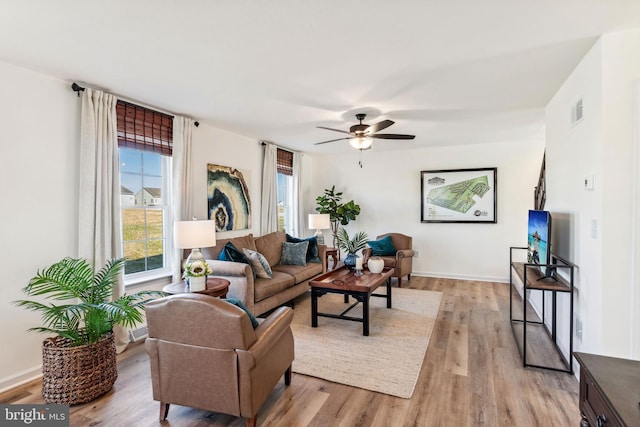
<point>259,294</point>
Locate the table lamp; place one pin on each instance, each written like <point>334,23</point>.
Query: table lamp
<point>319,222</point>
<point>194,235</point>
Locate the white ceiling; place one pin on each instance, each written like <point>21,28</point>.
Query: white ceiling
<point>450,72</point>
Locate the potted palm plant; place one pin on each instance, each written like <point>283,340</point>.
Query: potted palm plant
<point>351,245</point>
<point>79,363</point>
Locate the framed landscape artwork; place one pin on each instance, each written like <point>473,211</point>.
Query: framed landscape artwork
<point>228,199</point>
<point>459,195</point>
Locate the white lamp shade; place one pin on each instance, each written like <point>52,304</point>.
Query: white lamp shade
<point>194,234</point>
<point>319,221</point>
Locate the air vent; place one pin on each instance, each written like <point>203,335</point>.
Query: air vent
<point>139,334</point>
<point>577,113</point>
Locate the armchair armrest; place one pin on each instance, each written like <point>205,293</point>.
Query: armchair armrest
<point>366,254</point>
<point>268,333</point>
<point>404,253</point>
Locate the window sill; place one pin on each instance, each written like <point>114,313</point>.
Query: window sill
<point>161,277</point>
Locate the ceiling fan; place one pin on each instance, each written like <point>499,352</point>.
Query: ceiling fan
<point>360,135</point>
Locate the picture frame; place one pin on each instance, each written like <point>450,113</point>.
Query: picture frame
<point>228,201</point>
<point>459,195</point>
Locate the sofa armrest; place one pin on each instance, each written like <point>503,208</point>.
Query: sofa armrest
<point>240,277</point>
<point>322,254</point>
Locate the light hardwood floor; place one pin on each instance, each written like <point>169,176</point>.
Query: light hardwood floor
<point>472,376</point>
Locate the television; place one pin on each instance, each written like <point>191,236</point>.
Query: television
<point>539,240</point>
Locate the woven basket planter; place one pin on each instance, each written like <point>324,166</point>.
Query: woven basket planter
<point>73,375</point>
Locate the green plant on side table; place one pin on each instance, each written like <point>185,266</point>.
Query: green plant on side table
<point>339,213</point>
<point>79,363</point>
<point>351,245</point>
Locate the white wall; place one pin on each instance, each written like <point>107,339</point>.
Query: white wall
<point>387,189</point>
<point>597,228</point>
<point>38,186</point>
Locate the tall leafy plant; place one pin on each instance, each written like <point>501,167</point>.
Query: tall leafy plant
<point>339,213</point>
<point>90,313</point>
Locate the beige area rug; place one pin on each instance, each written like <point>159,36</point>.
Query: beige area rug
<point>387,361</point>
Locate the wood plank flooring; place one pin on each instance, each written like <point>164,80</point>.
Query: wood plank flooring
<point>472,376</point>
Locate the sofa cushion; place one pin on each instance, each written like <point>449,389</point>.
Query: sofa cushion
<point>265,288</point>
<point>294,253</point>
<point>382,247</point>
<point>270,245</point>
<point>259,263</point>
<point>241,242</point>
<point>300,273</point>
<point>312,250</point>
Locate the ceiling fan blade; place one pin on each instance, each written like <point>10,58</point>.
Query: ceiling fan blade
<point>378,127</point>
<point>335,130</point>
<point>331,140</point>
<point>392,136</point>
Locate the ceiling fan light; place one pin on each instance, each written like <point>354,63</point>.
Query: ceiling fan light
<point>361,143</point>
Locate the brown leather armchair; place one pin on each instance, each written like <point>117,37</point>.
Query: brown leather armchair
<point>402,261</point>
<point>205,354</point>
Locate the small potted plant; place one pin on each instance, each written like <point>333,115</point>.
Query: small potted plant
<point>79,363</point>
<point>351,245</point>
<point>195,274</point>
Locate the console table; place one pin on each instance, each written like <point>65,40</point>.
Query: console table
<point>534,280</point>
<point>609,391</point>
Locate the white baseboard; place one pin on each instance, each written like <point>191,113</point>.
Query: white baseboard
<point>20,378</point>
<point>460,277</point>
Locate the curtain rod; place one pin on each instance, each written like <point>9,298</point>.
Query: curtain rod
<point>77,88</point>
<point>263,143</point>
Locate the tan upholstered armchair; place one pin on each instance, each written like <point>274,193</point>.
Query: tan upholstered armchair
<point>205,354</point>
<point>402,261</point>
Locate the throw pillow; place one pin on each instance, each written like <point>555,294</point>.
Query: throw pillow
<point>312,250</point>
<point>294,253</point>
<point>240,304</point>
<point>259,263</point>
<point>230,253</point>
<point>382,247</point>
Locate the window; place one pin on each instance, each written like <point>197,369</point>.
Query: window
<point>285,190</point>
<point>145,139</point>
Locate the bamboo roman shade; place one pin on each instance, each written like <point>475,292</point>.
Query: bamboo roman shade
<point>144,129</point>
<point>285,162</point>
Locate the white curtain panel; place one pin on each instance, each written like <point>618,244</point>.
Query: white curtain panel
<point>99,228</point>
<point>298,211</point>
<point>269,217</point>
<point>181,191</point>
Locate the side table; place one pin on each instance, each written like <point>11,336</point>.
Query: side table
<point>215,287</point>
<point>333,254</point>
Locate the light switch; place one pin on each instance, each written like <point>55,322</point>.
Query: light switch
<point>588,183</point>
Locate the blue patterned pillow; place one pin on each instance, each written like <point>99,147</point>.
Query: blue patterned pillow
<point>259,263</point>
<point>294,253</point>
<point>240,304</point>
<point>312,250</point>
<point>382,247</point>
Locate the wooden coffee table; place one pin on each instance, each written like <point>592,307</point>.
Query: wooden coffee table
<point>215,287</point>
<point>345,282</point>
